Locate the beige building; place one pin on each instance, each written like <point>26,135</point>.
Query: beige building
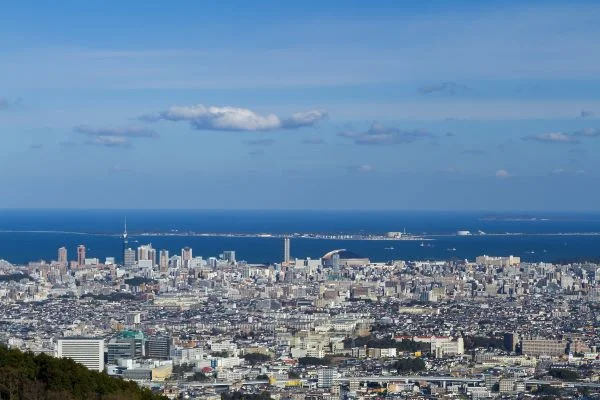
<point>498,261</point>
<point>543,347</point>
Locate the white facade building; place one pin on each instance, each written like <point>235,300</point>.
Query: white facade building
<point>85,351</point>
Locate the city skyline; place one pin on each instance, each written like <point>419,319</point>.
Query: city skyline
<point>299,200</point>
<point>414,106</point>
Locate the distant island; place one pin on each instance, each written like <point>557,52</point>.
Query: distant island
<point>513,218</point>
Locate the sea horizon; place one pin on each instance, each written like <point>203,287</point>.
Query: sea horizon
<point>31,235</point>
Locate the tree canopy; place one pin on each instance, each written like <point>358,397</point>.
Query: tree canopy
<point>37,377</point>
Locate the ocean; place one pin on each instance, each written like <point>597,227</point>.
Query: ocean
<point>32,235</point>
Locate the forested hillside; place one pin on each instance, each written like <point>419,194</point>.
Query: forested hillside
<point>31,377</point>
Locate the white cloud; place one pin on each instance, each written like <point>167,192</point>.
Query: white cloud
<point>378,134</point>
<point>234,118</point>
<point>450,88</point>
<point>132,132</point>
<point>114,137</point>
<point>587,132</point>
<point>502,173</point>
<point>307,118</point>
<point>552,137</point>
<point>313,140</point>
<point>361,169</point>
<point>110,141</point>
<point>260,142</point>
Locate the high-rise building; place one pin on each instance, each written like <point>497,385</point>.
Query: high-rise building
<point>62,255</point>
<point>86,351</point>
<point>286,250</point>
<point>186,256</point>
<point>125,243</point>
<point>163,260</point>
<point>229,255</point>
<point>511,340</point>
<point>128,344</point>
<point>325,377</point>
<point>147,252</point>
<point>133,319</point>
<point>158,347</point>
<point>128,258</point>
<point>81,255</point>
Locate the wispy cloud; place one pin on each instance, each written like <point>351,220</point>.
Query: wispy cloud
<point>362,168</point>
<point>552,137</point>
<point>563,137</point>
<point>234,118</point>
<point>378,134</point>
<point>313,140</point>
<point>68,143</point>
<point>587,132</point>
<point>120,168</point>
<point>110,141</point>
<point>450,88</point>
<point>502,174</point>
<point>114,137</point>
<point>260,142</point>
<point>130,132</point>
<point>257,152</point>
<point>474,152</point>
<point>6,103</point>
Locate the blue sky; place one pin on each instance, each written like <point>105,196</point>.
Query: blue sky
<point>272,104</point>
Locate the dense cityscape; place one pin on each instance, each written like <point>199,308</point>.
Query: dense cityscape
<point>326,200</point>
<point>342,326</point>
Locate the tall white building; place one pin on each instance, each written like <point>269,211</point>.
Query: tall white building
<point>62,255</point>
<point>186,256</point>
<point>163,260</point>
<point>86,351</point>
<point>229,255</point>
<point>286,250</point>
<point>325,377</point>
<point>128,257</point>
<point>147,252</point>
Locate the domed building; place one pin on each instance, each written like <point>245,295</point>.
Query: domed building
<point>343,258</point>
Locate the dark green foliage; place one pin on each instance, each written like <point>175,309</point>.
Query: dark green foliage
<point>409,365</point>
<point>245,396</point>
<point>119,296</point>
<point>386,343</point>
<point>548,392</point>
<point>14,277</point>
<point>139,281</point>
<point>256,358</point>
<point>564,374</point>
<point>181,368</point>
<point>199,377</point>
<point>27,376</point>
<point>472,342</point>
<point>293,375</point>
<point>314,361</point>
